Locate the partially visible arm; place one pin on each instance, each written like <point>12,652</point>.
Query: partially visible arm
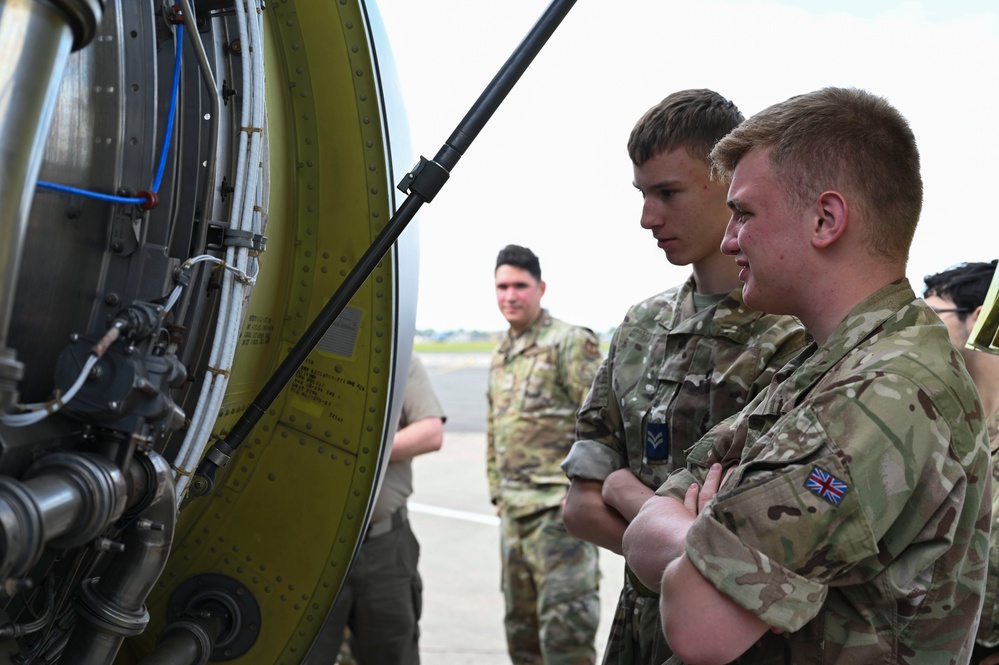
<point>423,436</point>
<point>588,518</point>
<point>492,457</point>
<point>492,463</point>
<point>657,535</point>
<point>694,613</point>
<point>578,364</point>
<point>625,493</point>
<point>421,421</point>
<point>655,538</point>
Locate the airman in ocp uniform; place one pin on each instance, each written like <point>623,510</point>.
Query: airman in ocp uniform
<point>538,377</point>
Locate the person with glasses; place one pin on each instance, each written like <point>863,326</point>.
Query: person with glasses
<point>957,296</point>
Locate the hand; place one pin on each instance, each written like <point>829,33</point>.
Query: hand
<point>697,496</point>
<point>625,493</point>
<point>991,659</point>
<point>621,477</point>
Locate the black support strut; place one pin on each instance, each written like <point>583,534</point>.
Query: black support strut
<point>421,186</point>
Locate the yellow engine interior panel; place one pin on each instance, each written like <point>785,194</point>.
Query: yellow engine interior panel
<point>286,515</point>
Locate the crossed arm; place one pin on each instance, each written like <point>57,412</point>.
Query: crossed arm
<point>599,512</point>
<point>693,611</point>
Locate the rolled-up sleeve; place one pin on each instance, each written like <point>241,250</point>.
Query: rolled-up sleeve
<point>753,580</point>
<point>591,460</point>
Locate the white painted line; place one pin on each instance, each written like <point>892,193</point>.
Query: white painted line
<point>455,361</point>
<point>478,518</point>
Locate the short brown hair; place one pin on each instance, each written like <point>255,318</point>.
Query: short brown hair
<point>842,139</point>
<point>689,119</point>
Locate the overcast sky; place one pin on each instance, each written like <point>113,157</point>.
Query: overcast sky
<point>550,169</point>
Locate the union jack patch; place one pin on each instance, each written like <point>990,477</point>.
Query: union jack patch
<point>827,486</point>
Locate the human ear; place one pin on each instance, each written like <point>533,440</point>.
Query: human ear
<point>830,218</point>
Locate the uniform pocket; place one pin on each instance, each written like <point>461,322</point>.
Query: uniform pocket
<point>796,502</point>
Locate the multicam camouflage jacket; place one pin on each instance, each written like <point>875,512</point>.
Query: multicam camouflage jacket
<point>988,628</point>
<point>537,380</point>
<point>856,518</point>
<point>671,374</point>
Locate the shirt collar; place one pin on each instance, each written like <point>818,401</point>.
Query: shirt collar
<point>726,318</point>
<point>527,337</point>
<point>894,301</point>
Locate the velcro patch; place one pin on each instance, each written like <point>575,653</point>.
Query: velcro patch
<point>656,442</point>
<point>827,486</point>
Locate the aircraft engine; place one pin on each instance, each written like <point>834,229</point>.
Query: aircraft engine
<point>183,185</point>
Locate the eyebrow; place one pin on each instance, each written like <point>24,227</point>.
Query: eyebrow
<point>659,185</point>
<point>736,204</point>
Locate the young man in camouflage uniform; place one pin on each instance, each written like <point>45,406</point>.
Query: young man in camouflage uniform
<point>843,516</point>
<point>681,362</point>
<point>537,380</point>
<point>957,296</point>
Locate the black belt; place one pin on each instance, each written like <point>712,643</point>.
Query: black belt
<point>387,525</point>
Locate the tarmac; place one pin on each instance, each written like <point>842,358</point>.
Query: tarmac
<point>458,529</point>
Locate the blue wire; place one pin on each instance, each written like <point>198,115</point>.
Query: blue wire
<point>93,195</point>
<point>179,41</point>
<point>179,45</point>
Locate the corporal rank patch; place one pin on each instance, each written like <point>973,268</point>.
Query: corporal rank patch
<point>827,486</point>
<point>656,442</point>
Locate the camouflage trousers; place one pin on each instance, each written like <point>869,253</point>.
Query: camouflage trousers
<point>636,634</point>
<point>551,586</point>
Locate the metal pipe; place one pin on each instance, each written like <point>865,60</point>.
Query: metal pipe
<point>66,500</point>
<point>36,39</point>
<point>112,607</point>
<point>194,38</point>
<point>84,17</point>
<point>188,641</point>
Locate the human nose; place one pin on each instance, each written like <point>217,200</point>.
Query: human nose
<point>651,215</point>
<point>730,241</point>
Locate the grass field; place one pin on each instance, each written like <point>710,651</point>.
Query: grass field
<point>480,346</point>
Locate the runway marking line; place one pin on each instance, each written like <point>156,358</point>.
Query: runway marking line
<point>464,515</point>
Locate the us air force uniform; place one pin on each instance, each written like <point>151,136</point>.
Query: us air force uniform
<point>537,380</point>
